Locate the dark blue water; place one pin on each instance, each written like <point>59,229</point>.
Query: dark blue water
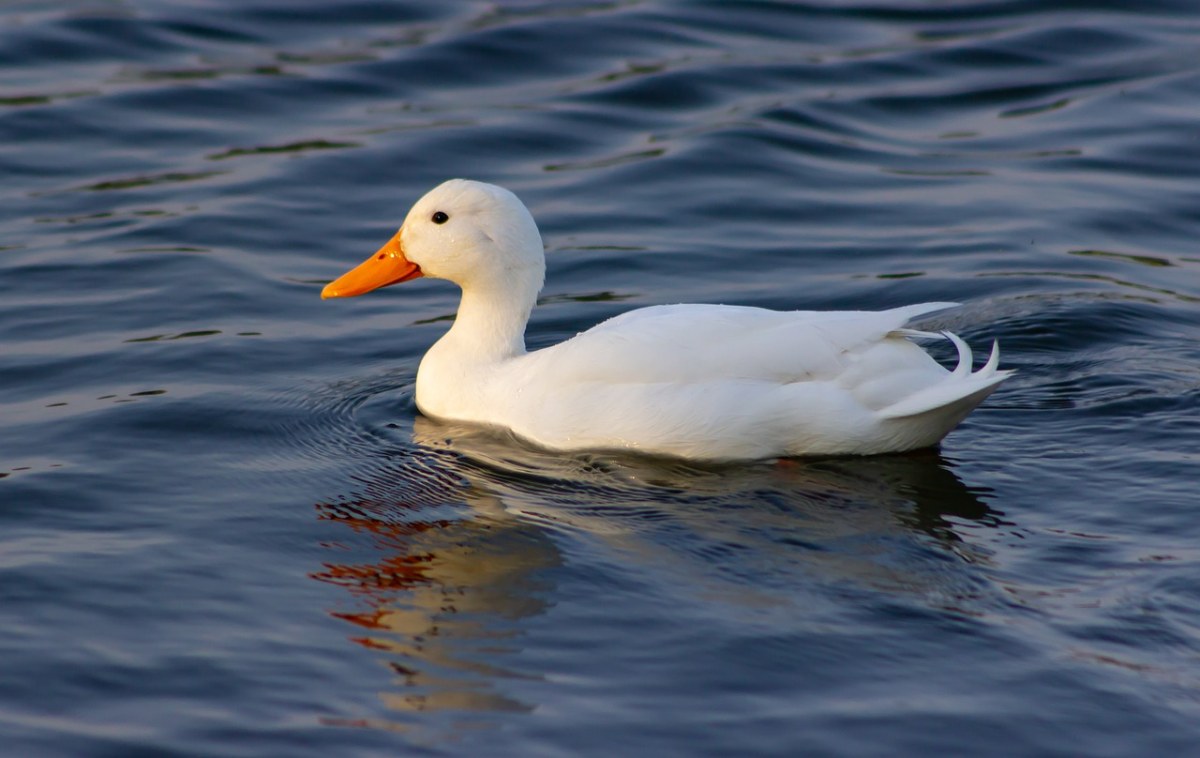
<point>225,530</point>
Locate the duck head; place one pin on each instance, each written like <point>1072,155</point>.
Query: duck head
<point>476,235</point>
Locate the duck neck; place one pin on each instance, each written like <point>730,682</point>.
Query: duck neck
<point>490,325</point>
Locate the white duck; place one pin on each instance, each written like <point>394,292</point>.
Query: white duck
<point>708,382</point>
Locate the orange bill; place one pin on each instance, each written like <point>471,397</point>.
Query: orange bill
<point>388,266</point>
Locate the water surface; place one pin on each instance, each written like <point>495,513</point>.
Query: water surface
<point>225,529</point>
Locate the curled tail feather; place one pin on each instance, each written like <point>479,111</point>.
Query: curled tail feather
<point>957,392</point>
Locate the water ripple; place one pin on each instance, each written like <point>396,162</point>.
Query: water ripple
<point>226,528</point>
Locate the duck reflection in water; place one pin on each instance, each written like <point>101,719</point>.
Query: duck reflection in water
<point>444,598</point>
<point>473,526</point>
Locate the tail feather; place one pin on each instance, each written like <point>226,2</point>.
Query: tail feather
<point>958,392</point>
<point>993,361</point>
<point>965,356</point>
<point>916,334</point>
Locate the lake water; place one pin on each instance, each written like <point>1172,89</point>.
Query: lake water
<point>225,529</point>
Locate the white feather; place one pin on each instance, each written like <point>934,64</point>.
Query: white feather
<point>698,381</point>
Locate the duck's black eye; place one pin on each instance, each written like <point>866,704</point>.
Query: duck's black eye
<point>440,218</point>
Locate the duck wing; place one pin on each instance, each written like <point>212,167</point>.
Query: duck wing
<point>705,343</point>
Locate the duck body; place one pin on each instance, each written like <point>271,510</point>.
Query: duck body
<point>709,382</point>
